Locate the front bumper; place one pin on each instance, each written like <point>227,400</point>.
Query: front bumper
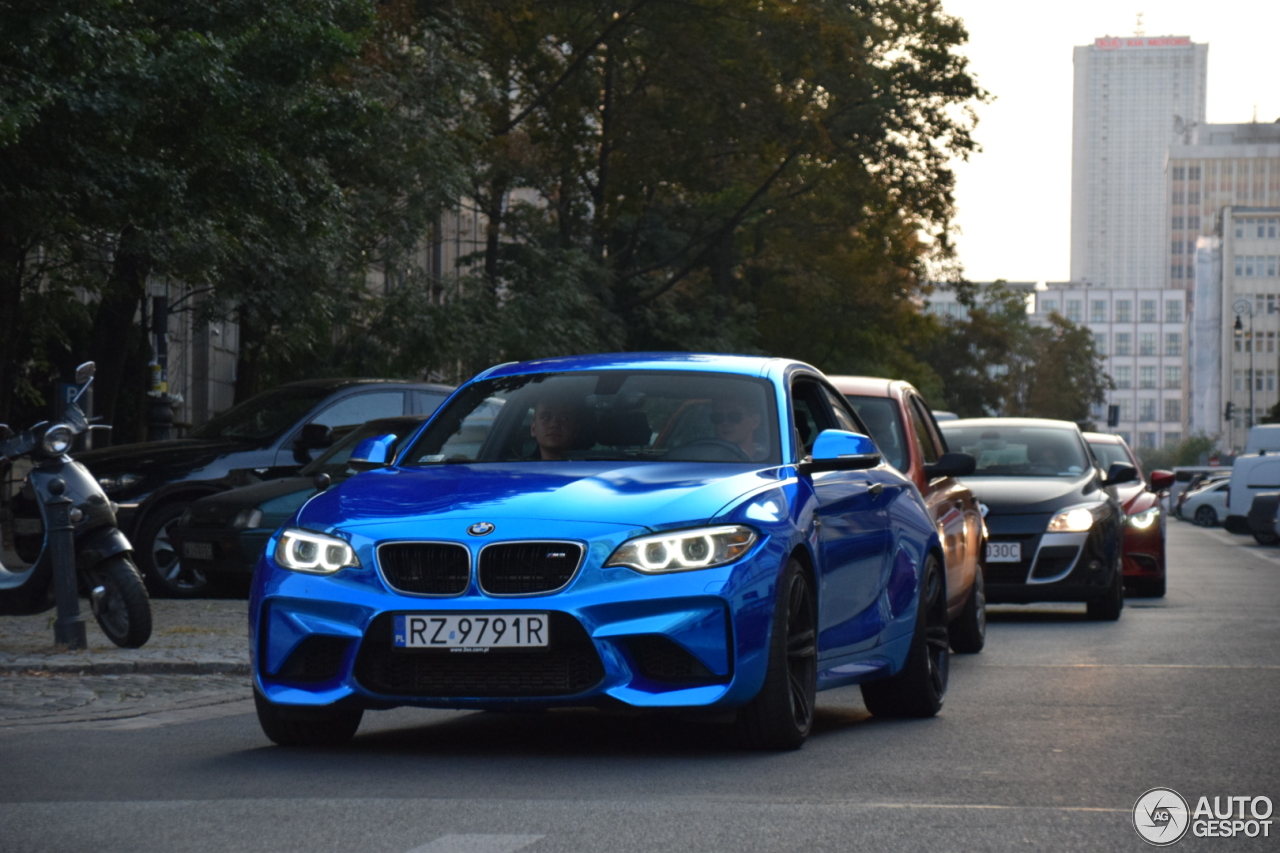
<point>695,639</point>
<point>1054,566</point>
<point>230,552</point>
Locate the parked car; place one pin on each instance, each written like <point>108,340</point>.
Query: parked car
<point>1262,517</point>
<point>1054,521</point>
<point>655,530</point>
<point>1187,480</point>
<point>221,536</point>
<point>1207,505</point>
<point>1250,474</point>
<point>270,435</point>
<point>1144,525</point>
<point>907,434</point>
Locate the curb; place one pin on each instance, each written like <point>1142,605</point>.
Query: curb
<point>157,667</point>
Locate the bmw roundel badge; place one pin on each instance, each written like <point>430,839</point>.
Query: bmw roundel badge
<point>480,528</point>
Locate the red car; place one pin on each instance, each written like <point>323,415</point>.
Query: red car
<point>903,427</point>
<point>1144,564</point>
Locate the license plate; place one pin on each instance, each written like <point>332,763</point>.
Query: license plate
<point>1004,552</point>
<point>197,550</point>
<point>471,631</point>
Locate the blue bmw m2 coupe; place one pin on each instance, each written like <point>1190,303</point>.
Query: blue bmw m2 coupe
<point>660,530</point>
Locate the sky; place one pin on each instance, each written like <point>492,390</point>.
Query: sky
<point>1014,197</point>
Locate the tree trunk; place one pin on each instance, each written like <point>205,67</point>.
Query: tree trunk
<point>113,321</point>
<point>249,357</point>
<point>13,255</point>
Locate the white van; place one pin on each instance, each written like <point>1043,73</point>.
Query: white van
<point>1251,474</point>
<point>1263,437</point>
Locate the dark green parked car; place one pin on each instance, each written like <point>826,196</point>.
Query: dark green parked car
<point>221,536</point>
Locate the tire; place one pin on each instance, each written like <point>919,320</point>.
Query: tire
<point>1266,537</point>
<point>781,715</point>
<point>919,689</point>
<point>122,608</point>
<point>1107,608</point>
<point>161,566</point>
<point>1206,516</point>
<point>968,632</point>
<point>306,726</point>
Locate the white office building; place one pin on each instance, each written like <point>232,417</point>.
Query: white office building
<point>1134,97</point>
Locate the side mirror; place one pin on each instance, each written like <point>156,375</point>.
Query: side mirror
<point>837,450</point>
<point>1161,480</point>
<point>372,453</point>
<point>85,372</point>
<point>321,481</point>
<point>312,437</point>
<point>952,465</point>
<point>1120,473</point>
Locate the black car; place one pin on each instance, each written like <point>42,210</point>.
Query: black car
<point>221,536</point>
<point>268,436</point>
<point>1055,523</point>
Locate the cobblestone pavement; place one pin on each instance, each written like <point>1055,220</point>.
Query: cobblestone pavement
<point>42,698</point>
<point>187,637</point>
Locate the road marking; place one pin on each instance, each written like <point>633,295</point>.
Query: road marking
<point>983,807</point>
<point>1133,665</point>
<point>476,844</point>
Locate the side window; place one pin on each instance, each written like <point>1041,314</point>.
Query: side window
<point>426,402</point>
<point>359,408</point>
<point>928,446</point>
<point>844,420</point>
<point>810,412</point>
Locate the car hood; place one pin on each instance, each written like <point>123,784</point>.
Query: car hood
<point>160,460</point>
<point>278,499</point>
<point>645,494</point>
<point>1019,495</point>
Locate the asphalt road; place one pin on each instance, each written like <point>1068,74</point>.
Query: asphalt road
<point>1047,739</point>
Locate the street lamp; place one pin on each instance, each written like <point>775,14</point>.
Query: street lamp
<point>1245,306</point>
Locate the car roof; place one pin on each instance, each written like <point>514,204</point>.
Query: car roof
<point>1010,422</point>
<point>868,386</point>
<point>1103,438</point>
<point>336,382</point>
<point>746,365</point>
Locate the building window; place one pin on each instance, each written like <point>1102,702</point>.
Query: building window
<point>1147,343</point>
<point>1173,311</point>
<point>1173,411</point>
<point>1173,377</point>
<point>1124,343</point>
<point>1179,197</point>
<point>1193,173</point>
<point>1098,311</point>
<point>1048,306</point>
<point>1148,310</point>
<point>1193,224</point>
<point>1193,196</point>
<point>1100,342</point>
<point>1239,229</point>
<point>1126,409</point>
<point>1177,223</point>
<point>1147,440</point>
<point>1074,310</point>
<point>1172,439</point>
<point>1271,266</point>
<point>1179,173</point>
<point>1173,343</point>
<point>1262,229</point>
<point>1146,411</point>
<point>1175,271</point>
<point>1123,376</point>
<point>1271,341</point>
<point>1271,228</point>
<point>1271,380</point>
<point>1176,248</point>
<point>1147,376</point>
<point>1239,379</point>
<point>1124,311</point>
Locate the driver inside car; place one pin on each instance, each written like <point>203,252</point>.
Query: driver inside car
<point>557,423</point>
<point>735,419</point>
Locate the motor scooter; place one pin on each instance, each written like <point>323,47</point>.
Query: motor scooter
<point>29,462</point>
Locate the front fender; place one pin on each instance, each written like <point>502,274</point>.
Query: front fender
<point>98,545</point>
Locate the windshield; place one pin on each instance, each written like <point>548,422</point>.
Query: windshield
<point>1109,454</point>
<point>261,418</point>
<point>605,415</point>
<point>1019,451</point>
<point>880,414</point>
<point>334,460</point>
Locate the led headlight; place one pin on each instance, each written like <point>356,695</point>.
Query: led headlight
<point>683,550</point>
<point>1145,519</point>
<point>119,482</point>
<point>305,551</point>
<point>1075,519</point>
<point>57,439</point>
<point>247,518</point>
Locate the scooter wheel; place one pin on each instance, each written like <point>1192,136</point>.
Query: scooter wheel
<point>120,602</point>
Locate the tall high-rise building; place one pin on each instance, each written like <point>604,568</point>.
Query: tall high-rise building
<point>1134,98</point>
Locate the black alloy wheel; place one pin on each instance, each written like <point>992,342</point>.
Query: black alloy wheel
<point>781,714</point>
<point>1206,516</point>
<point>159,559</point>
<point>918,690</point>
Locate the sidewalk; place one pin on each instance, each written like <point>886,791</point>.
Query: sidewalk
<point>193,637</point>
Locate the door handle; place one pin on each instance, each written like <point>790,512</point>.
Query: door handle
<point>875,489</point>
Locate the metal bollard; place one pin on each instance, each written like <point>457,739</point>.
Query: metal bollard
<point>68,630</point>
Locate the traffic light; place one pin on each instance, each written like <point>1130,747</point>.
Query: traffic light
<point>1230,412</point>
<point>1113,416</point>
